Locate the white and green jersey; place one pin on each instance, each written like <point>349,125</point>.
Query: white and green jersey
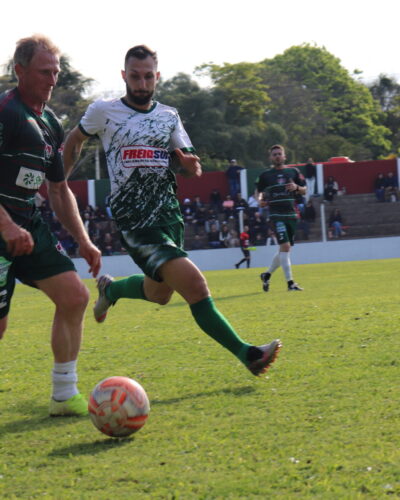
<point>137,145</point>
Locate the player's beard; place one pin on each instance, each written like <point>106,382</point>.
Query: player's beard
<point>140,98</point>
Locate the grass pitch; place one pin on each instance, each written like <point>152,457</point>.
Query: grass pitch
<point>323,423</point>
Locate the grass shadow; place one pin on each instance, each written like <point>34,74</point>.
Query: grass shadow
<point>92,447</point>
<point>238,391</point>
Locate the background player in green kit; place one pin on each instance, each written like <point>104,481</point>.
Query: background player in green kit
<point>30,140</point>
<point>280,185</point>
<point>139,135</point>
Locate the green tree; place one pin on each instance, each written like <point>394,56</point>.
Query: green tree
<point>386,91</point>
<point>312,95</point>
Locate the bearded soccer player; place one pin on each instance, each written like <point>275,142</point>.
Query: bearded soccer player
<point>280,185</point>
<point>30,140</point>
<point>139,135</point>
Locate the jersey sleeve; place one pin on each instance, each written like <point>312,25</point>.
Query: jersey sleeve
<point>180,138</point>
<point>92,120</point>
<point>8,124</point>
<point>55,171</point>
<point>299,179</point>
<point>260,185</point>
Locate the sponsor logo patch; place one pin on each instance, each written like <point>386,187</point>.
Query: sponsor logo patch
<point>29,179</point>
<point>144,156</point>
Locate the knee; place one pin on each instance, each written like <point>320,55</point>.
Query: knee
<point>160,298</point>
<point>199,290</point>
<point>76,298</point>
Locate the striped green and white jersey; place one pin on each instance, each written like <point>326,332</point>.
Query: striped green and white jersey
<point>273,184</point>
<point>30,152</point>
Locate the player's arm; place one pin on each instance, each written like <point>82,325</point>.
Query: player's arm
<point>298,185</point>
<point>19,241</point>
<point>64,204</point>
<point>72,149</point>
<point>189,162</point>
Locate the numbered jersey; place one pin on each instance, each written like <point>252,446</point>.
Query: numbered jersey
<point>273,184</point>
<point>29,153</point>
<point>137,146</point>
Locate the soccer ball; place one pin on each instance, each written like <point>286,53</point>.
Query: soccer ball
<point>118,406</point>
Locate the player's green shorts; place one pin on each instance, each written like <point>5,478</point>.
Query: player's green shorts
<point>47,259</point>
<point>151,247</point>
<point>285,230</point>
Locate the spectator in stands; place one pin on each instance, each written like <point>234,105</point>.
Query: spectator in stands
<point>107,206</point>
<point>197,203</point>
<point>259,240</point>
<point>187,210</point>
<point>197,243</point>
<point>211,219</point>
<point>253,203</point>
<point>200,217</point>
<point>233,239</point>
<point>336,224</point>
<point>257,224</point>
<point>216,201</point>
<point>233,174</point>
<point>330,189</point>
<point>107,244</point>
<point>379,187</point>
<point>228,207</point>
<point>224,235</point>
<point>213,237</point>
<point>309,174</point>
<point>391,187</point>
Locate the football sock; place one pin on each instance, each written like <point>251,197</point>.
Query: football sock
<point>214,324</point>
<point>64,377</point>
<point>286,265</point>
<point>127,288</point>
<point>276,262</point>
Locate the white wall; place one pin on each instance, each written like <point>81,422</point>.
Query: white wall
<point>302,253</point>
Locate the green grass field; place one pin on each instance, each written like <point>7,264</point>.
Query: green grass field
<point>323,424</point>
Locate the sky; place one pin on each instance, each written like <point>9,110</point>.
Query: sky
<point>96,35</point>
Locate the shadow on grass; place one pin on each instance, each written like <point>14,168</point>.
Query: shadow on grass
<point>238,391</point>
<point>92,447</point>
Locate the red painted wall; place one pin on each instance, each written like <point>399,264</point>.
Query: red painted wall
<point>202,186</point>
<point>359,177</point>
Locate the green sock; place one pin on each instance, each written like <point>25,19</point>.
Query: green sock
<point>214,324</point>
<point>127,288</point>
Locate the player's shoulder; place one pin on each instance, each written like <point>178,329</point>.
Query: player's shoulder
<point>10,103</point>
<point>105,103</point>
<point>164,108</point>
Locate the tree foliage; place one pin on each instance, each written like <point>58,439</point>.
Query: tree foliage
<point>302,98</point>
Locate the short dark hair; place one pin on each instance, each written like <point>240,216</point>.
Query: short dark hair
<point>276,146</point>
<point>141,52</point>
<point>27,47</point>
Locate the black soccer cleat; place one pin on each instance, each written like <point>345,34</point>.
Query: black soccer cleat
<point>265,281</point>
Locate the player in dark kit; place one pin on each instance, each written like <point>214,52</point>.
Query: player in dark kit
<point>30,141</point>
<point>135,130</point>
<point>280,185</point>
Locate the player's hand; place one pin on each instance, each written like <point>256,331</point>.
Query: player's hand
<point>92,255</point>
<point>19,240</point>
<point>291,186</point>
<point>189,162</point>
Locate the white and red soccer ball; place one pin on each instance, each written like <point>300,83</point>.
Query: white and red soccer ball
<point>118,406</point>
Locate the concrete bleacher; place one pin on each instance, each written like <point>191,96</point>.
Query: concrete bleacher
<point>365,217</point>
